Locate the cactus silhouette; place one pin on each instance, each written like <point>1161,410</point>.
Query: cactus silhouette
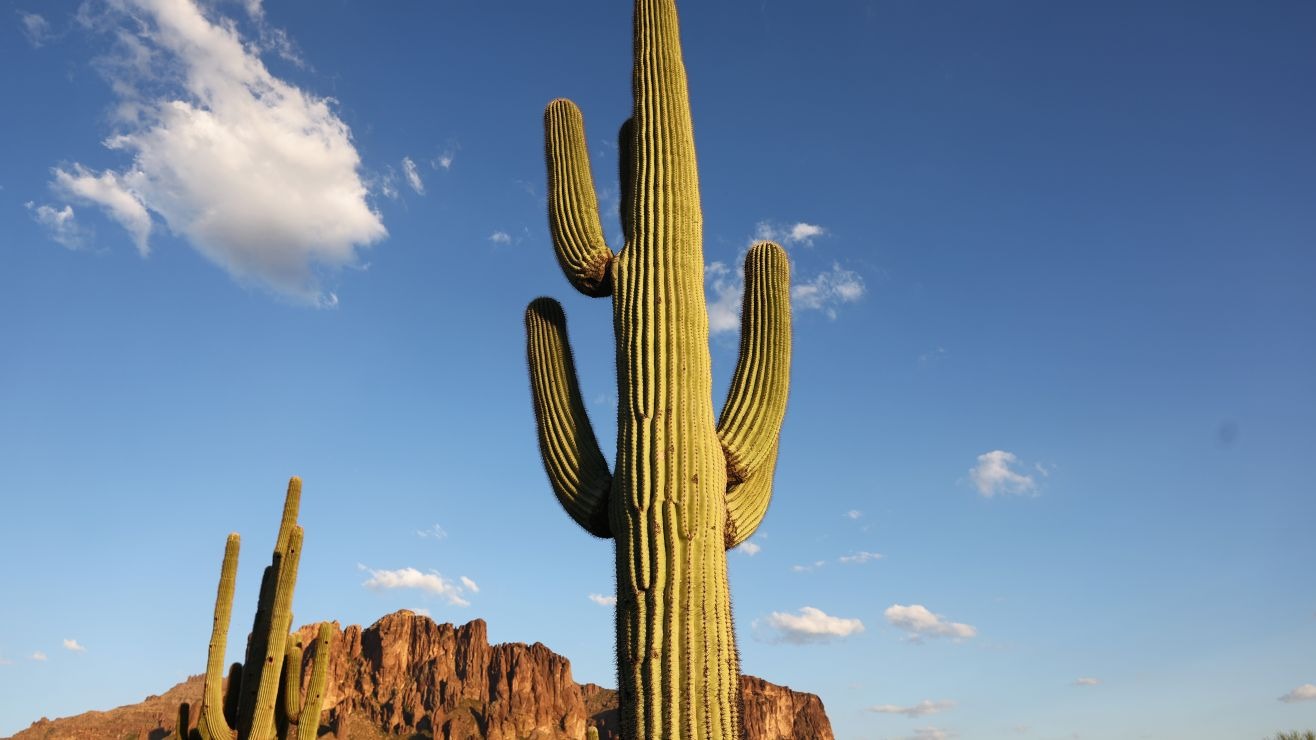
<point>687,486</point>
<point>263,698</point>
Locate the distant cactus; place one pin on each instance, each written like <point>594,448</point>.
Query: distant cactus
<point>255,706</point>
<point>592,733</point>
<point>687,487</point>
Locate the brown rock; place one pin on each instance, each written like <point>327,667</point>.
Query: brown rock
<point>407,676</point>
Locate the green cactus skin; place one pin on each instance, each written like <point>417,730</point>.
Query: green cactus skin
<point>256,706</point>
<point>592,733</point>
<point>686,487</point>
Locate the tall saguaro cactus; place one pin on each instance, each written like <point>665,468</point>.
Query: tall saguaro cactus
<point>263,698</point>
<point>687,486</point>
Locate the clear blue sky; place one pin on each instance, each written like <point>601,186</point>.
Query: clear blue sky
<point>1055,342</point>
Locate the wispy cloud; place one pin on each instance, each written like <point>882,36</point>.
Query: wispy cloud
<point>36,29</point>
<point>727,291</point>
<point>60,223</point>
<point>445,159</point>
<point>469,585</point>
<point>73,646</point>
<point>258,175</point>
<point>859,558</point>
<point>854,514</point>
<point>38,655</point>
<point>827,290</point>
<point>932,733</point>
<point>749,547</point>
<point>432,582</point>
<point>921,623</point>
<point>808,567</point>
<point>602,600</point>
<point>921,709</point>
<point>1305,692</point>
<point>433,533</point>
<point>1087,681</point>
<point>500,237</point>
<point>995,475</point>
<point>810,626</point>
<point>413,176</point>
<point>787,235</point>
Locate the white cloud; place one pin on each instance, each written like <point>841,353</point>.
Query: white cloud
<point>38,655</point>
<point>602,600</point>
<point>827,290</point>
<point>256,174</point>
<point>413,176</point>
<point>444,160</point>
<point>109,191</point>
<point>808,568</point>
<point>921,709</point>
<point>802,232</point>
<point>1087,681</point>
<point>797,233</point>
<point>854,514</point>
<point>72,645</point>
<point>809,626</point>
<point>422,611</point>
<point>993,475</point>
<point>6,661</point>
<point>61,223</point>
<point>932,733</point>
<point>1305,692</point>
<point>434,533</point>
<point>432,583</point>
<point>35,28</point>
<point>470,585</point>
<point>920,623</point>
<point>500,237</point>
<point>859,558</point>
<point>727,291</point>
<point>749,548</point>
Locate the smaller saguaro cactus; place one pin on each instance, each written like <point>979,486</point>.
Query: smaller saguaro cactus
<point>262,698</point>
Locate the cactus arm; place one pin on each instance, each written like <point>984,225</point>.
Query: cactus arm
<point>308,725</point>
<point>184,719</point>
<point>576,468</point>
<point>212,725</point>
<point>756,404</point>
<point>573,208</point>
<point>290,696</point>
<point>747,502</point>
<point>267,691</point>
<point>233,694</point>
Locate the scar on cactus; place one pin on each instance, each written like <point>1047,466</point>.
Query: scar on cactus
<point>687,486</point>
<point>263,696</point>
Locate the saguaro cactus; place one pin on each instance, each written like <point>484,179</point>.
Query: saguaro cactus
<point>687,487</point>
<point>253,705</point>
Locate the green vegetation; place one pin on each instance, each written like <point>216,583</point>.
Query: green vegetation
<point>254,704</point>
<point>1295,735</point>
<point>687,486</point>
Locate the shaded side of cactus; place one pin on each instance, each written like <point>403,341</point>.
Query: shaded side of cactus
<point>687,485</point>
<point>255,704</point>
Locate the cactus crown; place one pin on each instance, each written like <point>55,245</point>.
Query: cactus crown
<point>687,486</point>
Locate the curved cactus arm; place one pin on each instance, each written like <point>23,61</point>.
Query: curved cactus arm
<point>213,725</point>
<point>308,725</point>
<point>747,502</point>
<point>756,404</point>
<point>575,466</point>
<point>290,696</point>
<point>573,207</point>
<point>267,691</point>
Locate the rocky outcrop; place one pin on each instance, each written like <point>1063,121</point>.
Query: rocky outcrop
<point>405,676</point>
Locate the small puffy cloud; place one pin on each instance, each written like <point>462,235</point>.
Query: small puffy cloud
<point>727,290</point>
<point>921,709</point>
<point>602,600</point>
<point>470,585</point>
<point>38,655</point>
<point>1305,692</point>
<point>409,578</point>
<point>808,567</point>
<point>36,29</point>
<point>859,558</point>
<point>749,548</point>
<point>433,533</point>
<point>259,176</point>
<point>921,623</point>
<point>413,175</point>
<point>797,233</point>
<point>995,475</point>
<point>811,625</point>
<point>827,290</point>
<point>444,160</point>
<point>1087,681</point>
<point>854,514</point>
<point>72,645</point>
<point>500,237</point>
<point>61,223</point>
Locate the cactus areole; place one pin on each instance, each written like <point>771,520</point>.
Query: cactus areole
<point>688,485</point>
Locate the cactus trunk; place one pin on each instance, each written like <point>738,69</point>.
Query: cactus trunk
<point>687,485</point>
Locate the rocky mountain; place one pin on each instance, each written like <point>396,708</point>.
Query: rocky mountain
<point>406,676</point>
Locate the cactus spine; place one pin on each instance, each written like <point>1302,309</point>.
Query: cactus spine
<point>254,705</point>
<point>687,487</point>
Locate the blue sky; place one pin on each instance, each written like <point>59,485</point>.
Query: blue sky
<point>1046,467</point>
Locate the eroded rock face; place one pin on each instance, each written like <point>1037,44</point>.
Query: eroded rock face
<point>407,676</point>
